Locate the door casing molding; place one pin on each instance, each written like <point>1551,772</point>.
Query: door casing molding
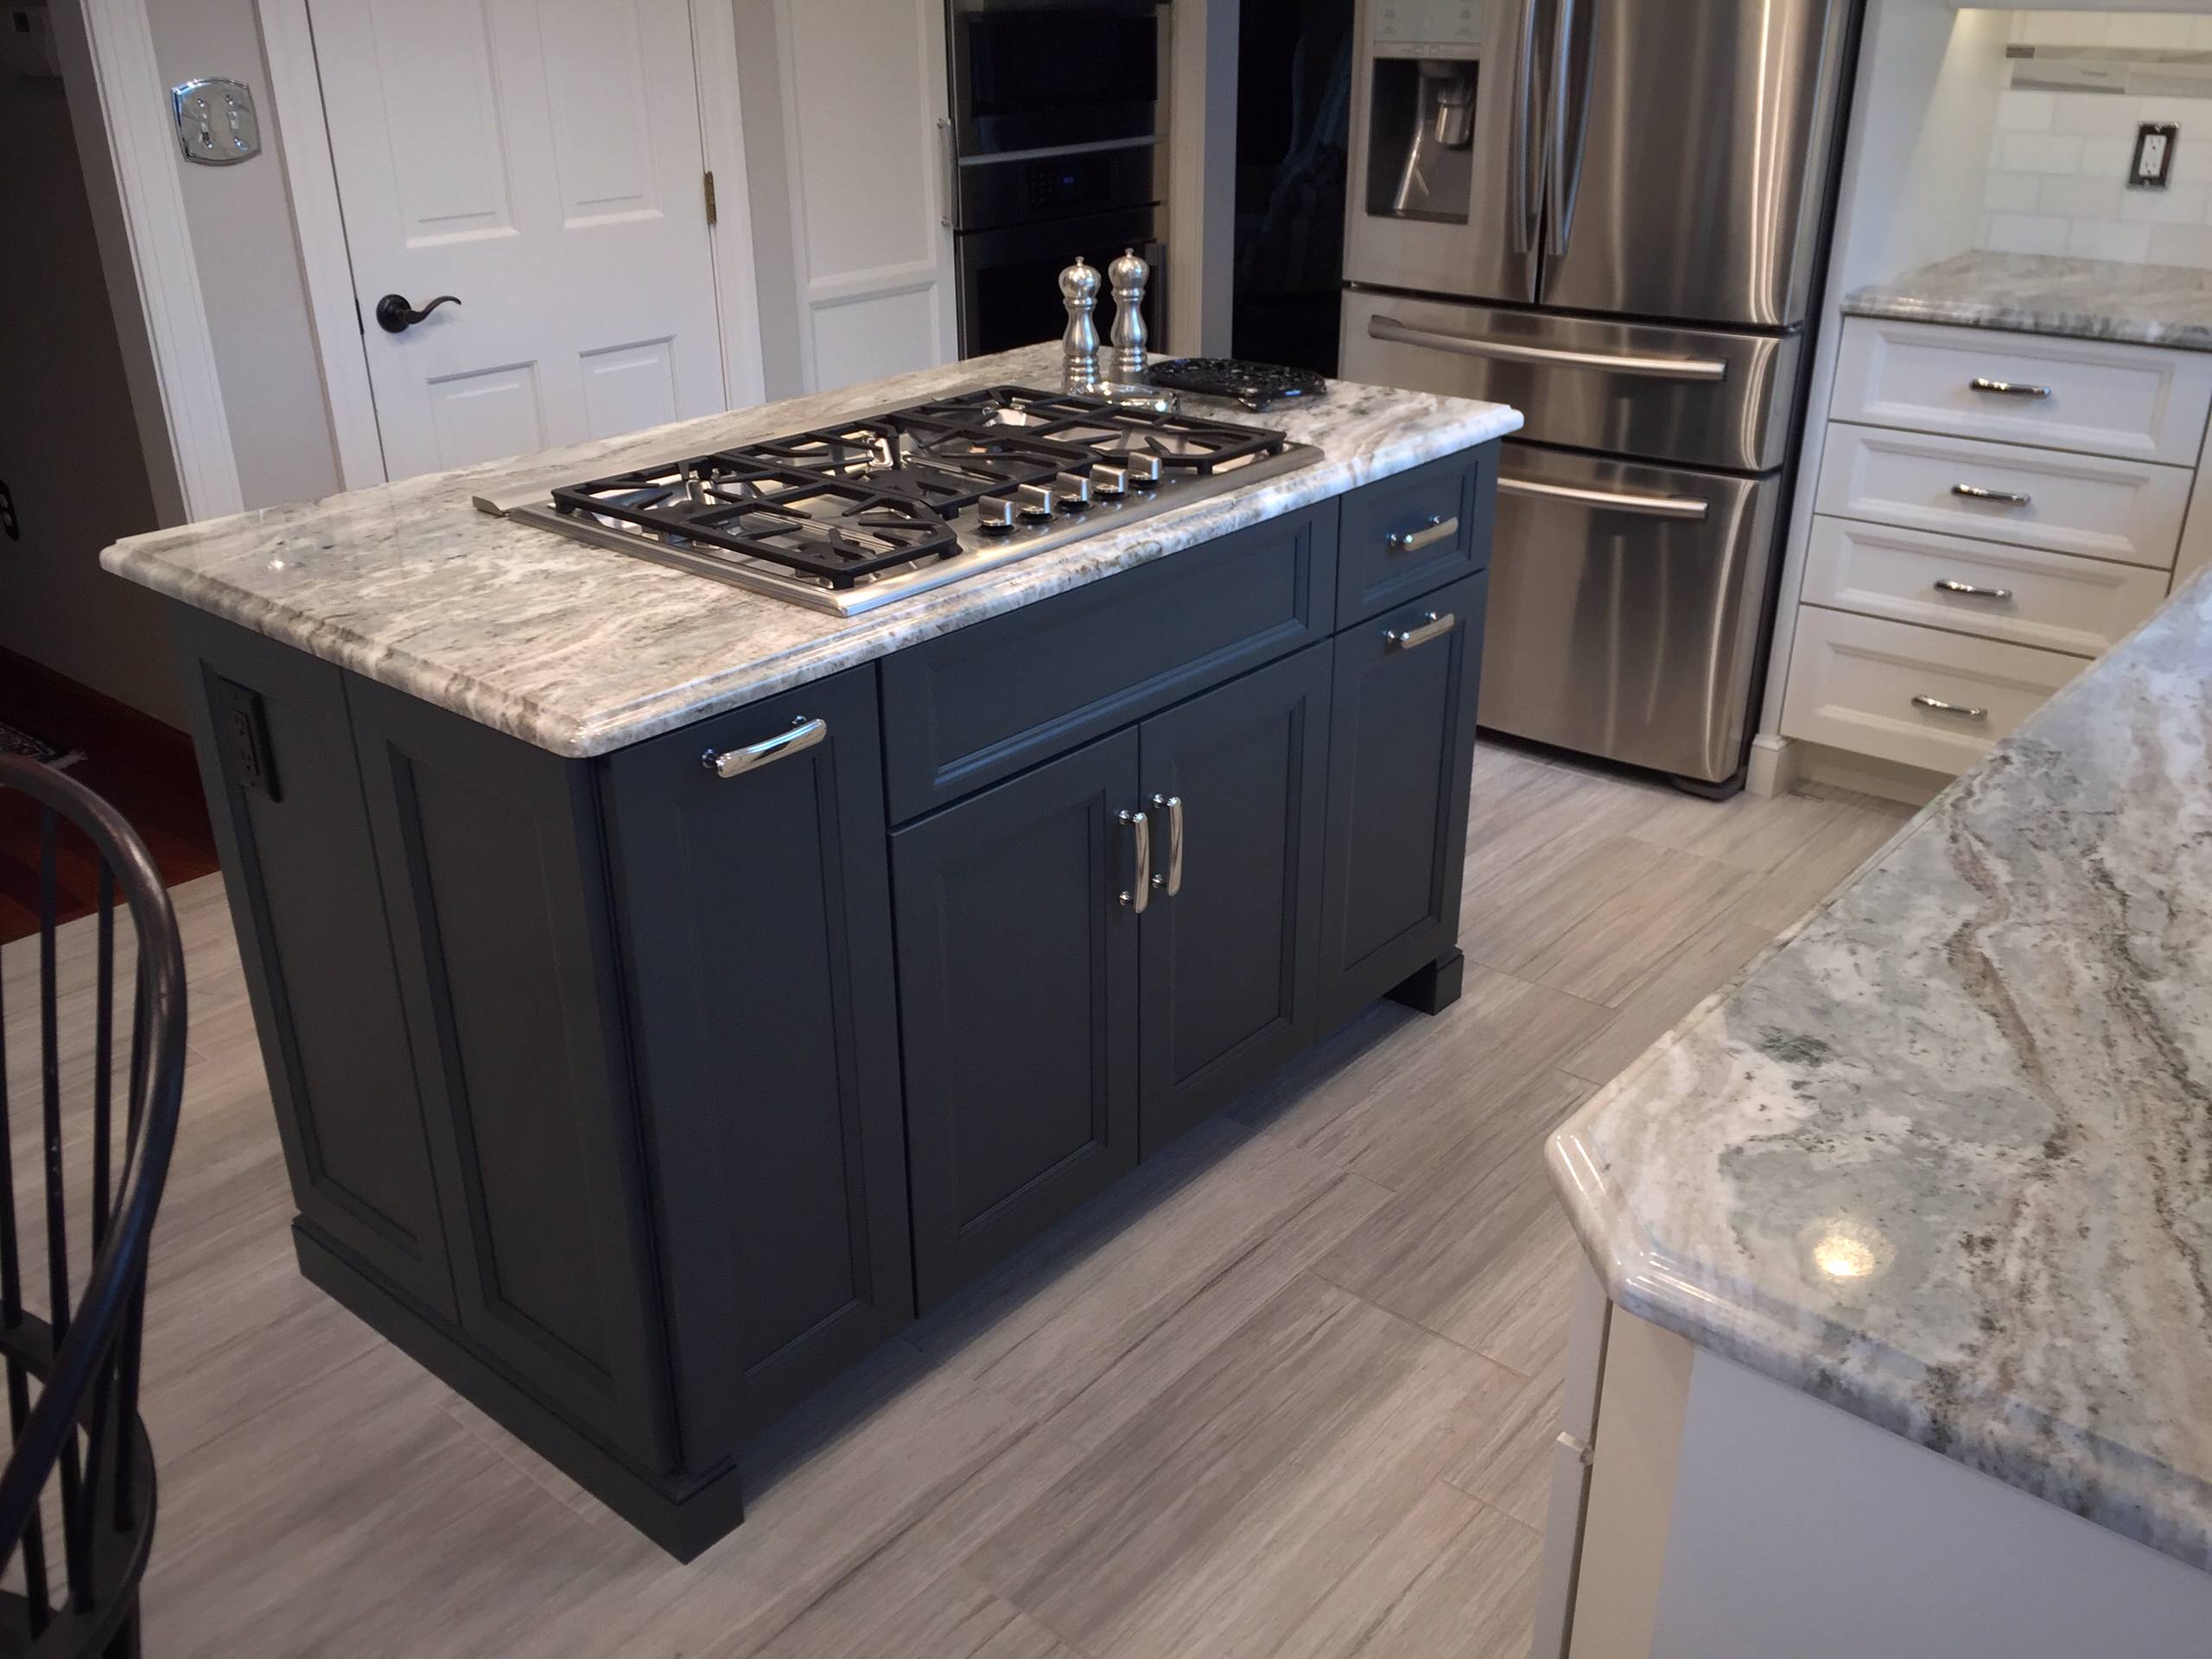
<point>311,177</point>
<point>127,90</point>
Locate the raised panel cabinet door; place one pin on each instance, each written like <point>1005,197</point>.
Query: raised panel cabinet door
<point>496,890</point>
<point>277,760</point>
<point>1236,787</point>
<point>1017,1006</point>
<point>756,934</point>
<point>1401,762</point>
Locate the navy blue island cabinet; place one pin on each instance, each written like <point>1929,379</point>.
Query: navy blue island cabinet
<point>636,1101</point>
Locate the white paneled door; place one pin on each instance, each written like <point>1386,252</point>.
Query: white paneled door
<point>541,160</point>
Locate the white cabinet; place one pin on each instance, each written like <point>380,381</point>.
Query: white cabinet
<point>1994,511</point>
<point>2095,396</point>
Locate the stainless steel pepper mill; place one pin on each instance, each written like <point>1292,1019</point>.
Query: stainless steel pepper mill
<point>1079,345</point>
<point>1126,362</point>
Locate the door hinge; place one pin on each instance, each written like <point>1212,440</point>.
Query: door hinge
<point>713,215</point>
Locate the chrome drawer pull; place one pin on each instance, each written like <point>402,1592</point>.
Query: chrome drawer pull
<point>1172,882</point>
<point>1435,627</point>
<point>2008,388</point>
<point>735,763</point>
<point>1138,894</point>
<point>1688,507</point>
<point>1438,529</point>
<point>1938,706</point>
<point>1945,585</point>
<point>2002,498</point>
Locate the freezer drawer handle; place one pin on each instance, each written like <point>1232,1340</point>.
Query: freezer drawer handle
<point>1708,370</point>
<point>1686,507</point>
<point>2008,388</point>
<point>1945,585</point>
<point>804,734</point>
<point>1431,626</point>
<point>2002,498</point>
<point>1936,705</point>
<point>1438,529</point>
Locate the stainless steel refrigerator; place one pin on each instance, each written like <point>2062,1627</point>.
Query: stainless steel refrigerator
<point>1610,214</point>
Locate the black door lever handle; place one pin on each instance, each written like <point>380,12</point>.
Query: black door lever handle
<point>395,316</point>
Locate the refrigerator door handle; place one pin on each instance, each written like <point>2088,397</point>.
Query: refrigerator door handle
<point>1705,370</point>
<point>1526,160</point>
<point>1639,507</point>
<point>1569,122</point>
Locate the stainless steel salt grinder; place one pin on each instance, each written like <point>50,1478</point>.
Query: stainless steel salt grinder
<point>1079,345</point>
<point>1127,362</point>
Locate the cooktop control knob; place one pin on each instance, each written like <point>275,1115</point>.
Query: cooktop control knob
<point>1144,470</point>
<point>1109,480</point>
<point>1074,492</point>
<point>995,513</point>
<point>1035,501</point>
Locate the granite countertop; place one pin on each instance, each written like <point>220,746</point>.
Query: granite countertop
<point>580,650</point>
<point>1943,1158</point>
<point>2040,293</point>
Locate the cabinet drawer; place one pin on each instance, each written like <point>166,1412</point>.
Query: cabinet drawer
<point>1854,679</point>
<point>2052,601</point>
<point>1417,531</point>
<point>2102,509</point>
<point>2103,398</point>
<point>972,707</point>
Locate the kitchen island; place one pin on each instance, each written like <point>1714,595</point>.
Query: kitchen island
<point>668,991</point>
<point>1899,1336</point>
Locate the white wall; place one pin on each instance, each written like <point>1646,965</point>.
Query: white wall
<point>2058,160</point>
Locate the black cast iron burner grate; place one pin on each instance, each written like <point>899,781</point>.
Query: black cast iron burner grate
<point>842,504</point>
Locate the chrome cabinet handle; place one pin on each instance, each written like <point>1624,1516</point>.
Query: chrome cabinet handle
<point>2002,498</point>
<point>1138,894</point>
<point>735,763</point>
<point>1707,369</point>
<point>1936,705</point>
<point>1945,585</point>
<point>1171,883</point>
<point>2008,388</point>
<point>1642,506</point>
<point>1438,529</point>
<point>951,176</point>
<point>1433,627</point>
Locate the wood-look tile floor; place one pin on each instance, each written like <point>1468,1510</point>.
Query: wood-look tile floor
<point>1287,1391</point>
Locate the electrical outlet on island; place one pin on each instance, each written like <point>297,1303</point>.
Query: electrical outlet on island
<point>2154,166</point>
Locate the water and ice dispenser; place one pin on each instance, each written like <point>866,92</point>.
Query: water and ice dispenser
<point>1426,64</point>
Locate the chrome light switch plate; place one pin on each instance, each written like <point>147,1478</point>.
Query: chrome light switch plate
<point>215,121</point>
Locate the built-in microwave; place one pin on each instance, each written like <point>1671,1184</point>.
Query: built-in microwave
<point>1044,75</point>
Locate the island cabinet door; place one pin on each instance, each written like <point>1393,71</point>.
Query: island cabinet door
<point>1235,789</point>
<point>495,888</point>
<point>1018,998</point>
<point>277,760</point>
<point>755,914</point>
<point>1401,762</point>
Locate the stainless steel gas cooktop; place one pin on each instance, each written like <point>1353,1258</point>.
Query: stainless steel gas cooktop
<point>849,516</point>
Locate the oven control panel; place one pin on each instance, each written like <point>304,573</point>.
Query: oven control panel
<point>1423,29</point>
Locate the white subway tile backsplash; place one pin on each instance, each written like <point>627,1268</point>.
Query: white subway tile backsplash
<point>2079,198</point>
<point>2041,152</point>
<point>2026,234</point>
<point>2011,193</point>
<point>2020,111</point>
<point>2182,244</point>
<point>2178,204</point>
<point>2059,160</point>
<point>2101,238</point>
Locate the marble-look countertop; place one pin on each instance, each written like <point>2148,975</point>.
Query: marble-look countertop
<point>1943,1158</point>
<point>580,650</point>
<point>2042,293</point>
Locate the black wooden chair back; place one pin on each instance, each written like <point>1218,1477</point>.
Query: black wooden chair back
<point>79,1485</point>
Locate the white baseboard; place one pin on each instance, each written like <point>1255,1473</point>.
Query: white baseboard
<point>1774,765</point>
